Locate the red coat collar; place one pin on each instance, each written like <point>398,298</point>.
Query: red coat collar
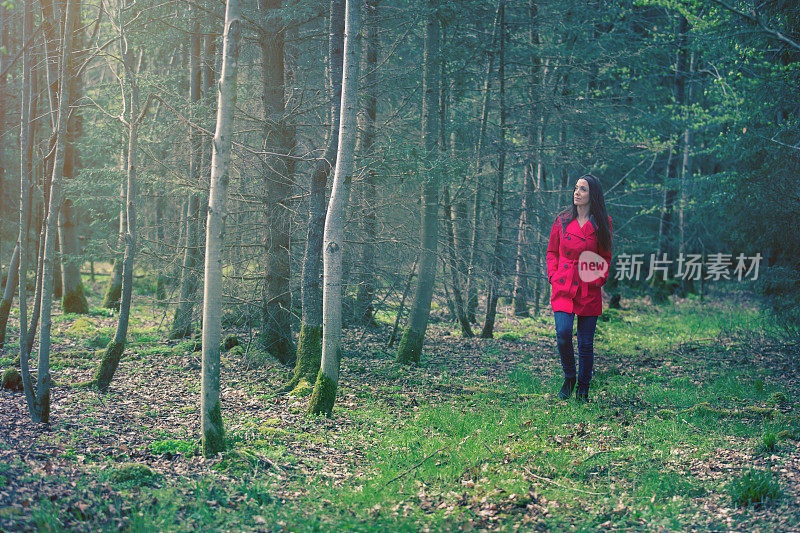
<point>587,229</point>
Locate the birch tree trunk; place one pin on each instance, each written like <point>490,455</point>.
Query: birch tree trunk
<point>495,278</point>
<point>210,412</point>
<point>328,378</point>
<point>309,349</point>
<point>40,411</point>
<point>411,342</point>
<point>276,323</point>
<point>182,321</point>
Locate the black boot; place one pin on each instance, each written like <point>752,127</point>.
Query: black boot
<point>566,388</point>
<point>582,392</point>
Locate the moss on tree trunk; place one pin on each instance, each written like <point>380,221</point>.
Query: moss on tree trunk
<point>410,347</point>
<point>323,397</point>
<point>75,301</point>
<point>309,356</point>
<point>109,365</point>
<point>114,290</point>
<point>214,435</point>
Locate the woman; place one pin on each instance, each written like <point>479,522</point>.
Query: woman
<point>578,261</point>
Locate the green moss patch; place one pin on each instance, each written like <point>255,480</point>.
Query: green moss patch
<point>130,475</point>
<point>82,326</point>
<point>323,397</point>
<point>11,380</point>
<point>410,347</point>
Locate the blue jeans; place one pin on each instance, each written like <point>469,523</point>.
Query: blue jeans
<point>586,325</point>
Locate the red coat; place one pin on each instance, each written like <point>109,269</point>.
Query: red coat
<point>569,292</point>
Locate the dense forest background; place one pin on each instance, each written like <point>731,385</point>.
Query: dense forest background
<point>686,111</point>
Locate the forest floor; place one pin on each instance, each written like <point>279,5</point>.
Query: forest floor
<point>693,424</point>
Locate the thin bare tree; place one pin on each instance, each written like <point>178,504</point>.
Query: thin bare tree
<point>210,412</point>
<point>328,378</point>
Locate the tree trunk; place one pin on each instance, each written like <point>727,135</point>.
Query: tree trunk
<point>328,378</point>
<point>497,262</point>
<point>455,274</point>
<point>8,295</point>
<point>686,164</point>
<point>210,412</point>
<point>182,321</point>
<point>114,288</point>
<point>73,298</point>
<point>665,239</point>
<point>410,347</point>
<point>523,245</point>
<point>309,349</point>
<point>25,204</point>
<point>526,215</point>
<point>4,24</point>
<point>40,411</point>
<point>161,280</point>
<point>108,365</point>
<point>474,253</point>
<point>37,294</point>
<point>276,305</point>
<point>367,281</point>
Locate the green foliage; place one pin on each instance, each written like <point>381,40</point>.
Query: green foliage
<point>754,487</point>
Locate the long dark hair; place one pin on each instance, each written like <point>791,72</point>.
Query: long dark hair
<point>597,212</point>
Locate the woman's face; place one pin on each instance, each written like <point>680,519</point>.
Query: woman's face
<point>581,194</point>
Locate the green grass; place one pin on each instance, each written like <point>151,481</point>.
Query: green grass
<point>754,487</point>
<point>185,447</point>
<point>491,451</point>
